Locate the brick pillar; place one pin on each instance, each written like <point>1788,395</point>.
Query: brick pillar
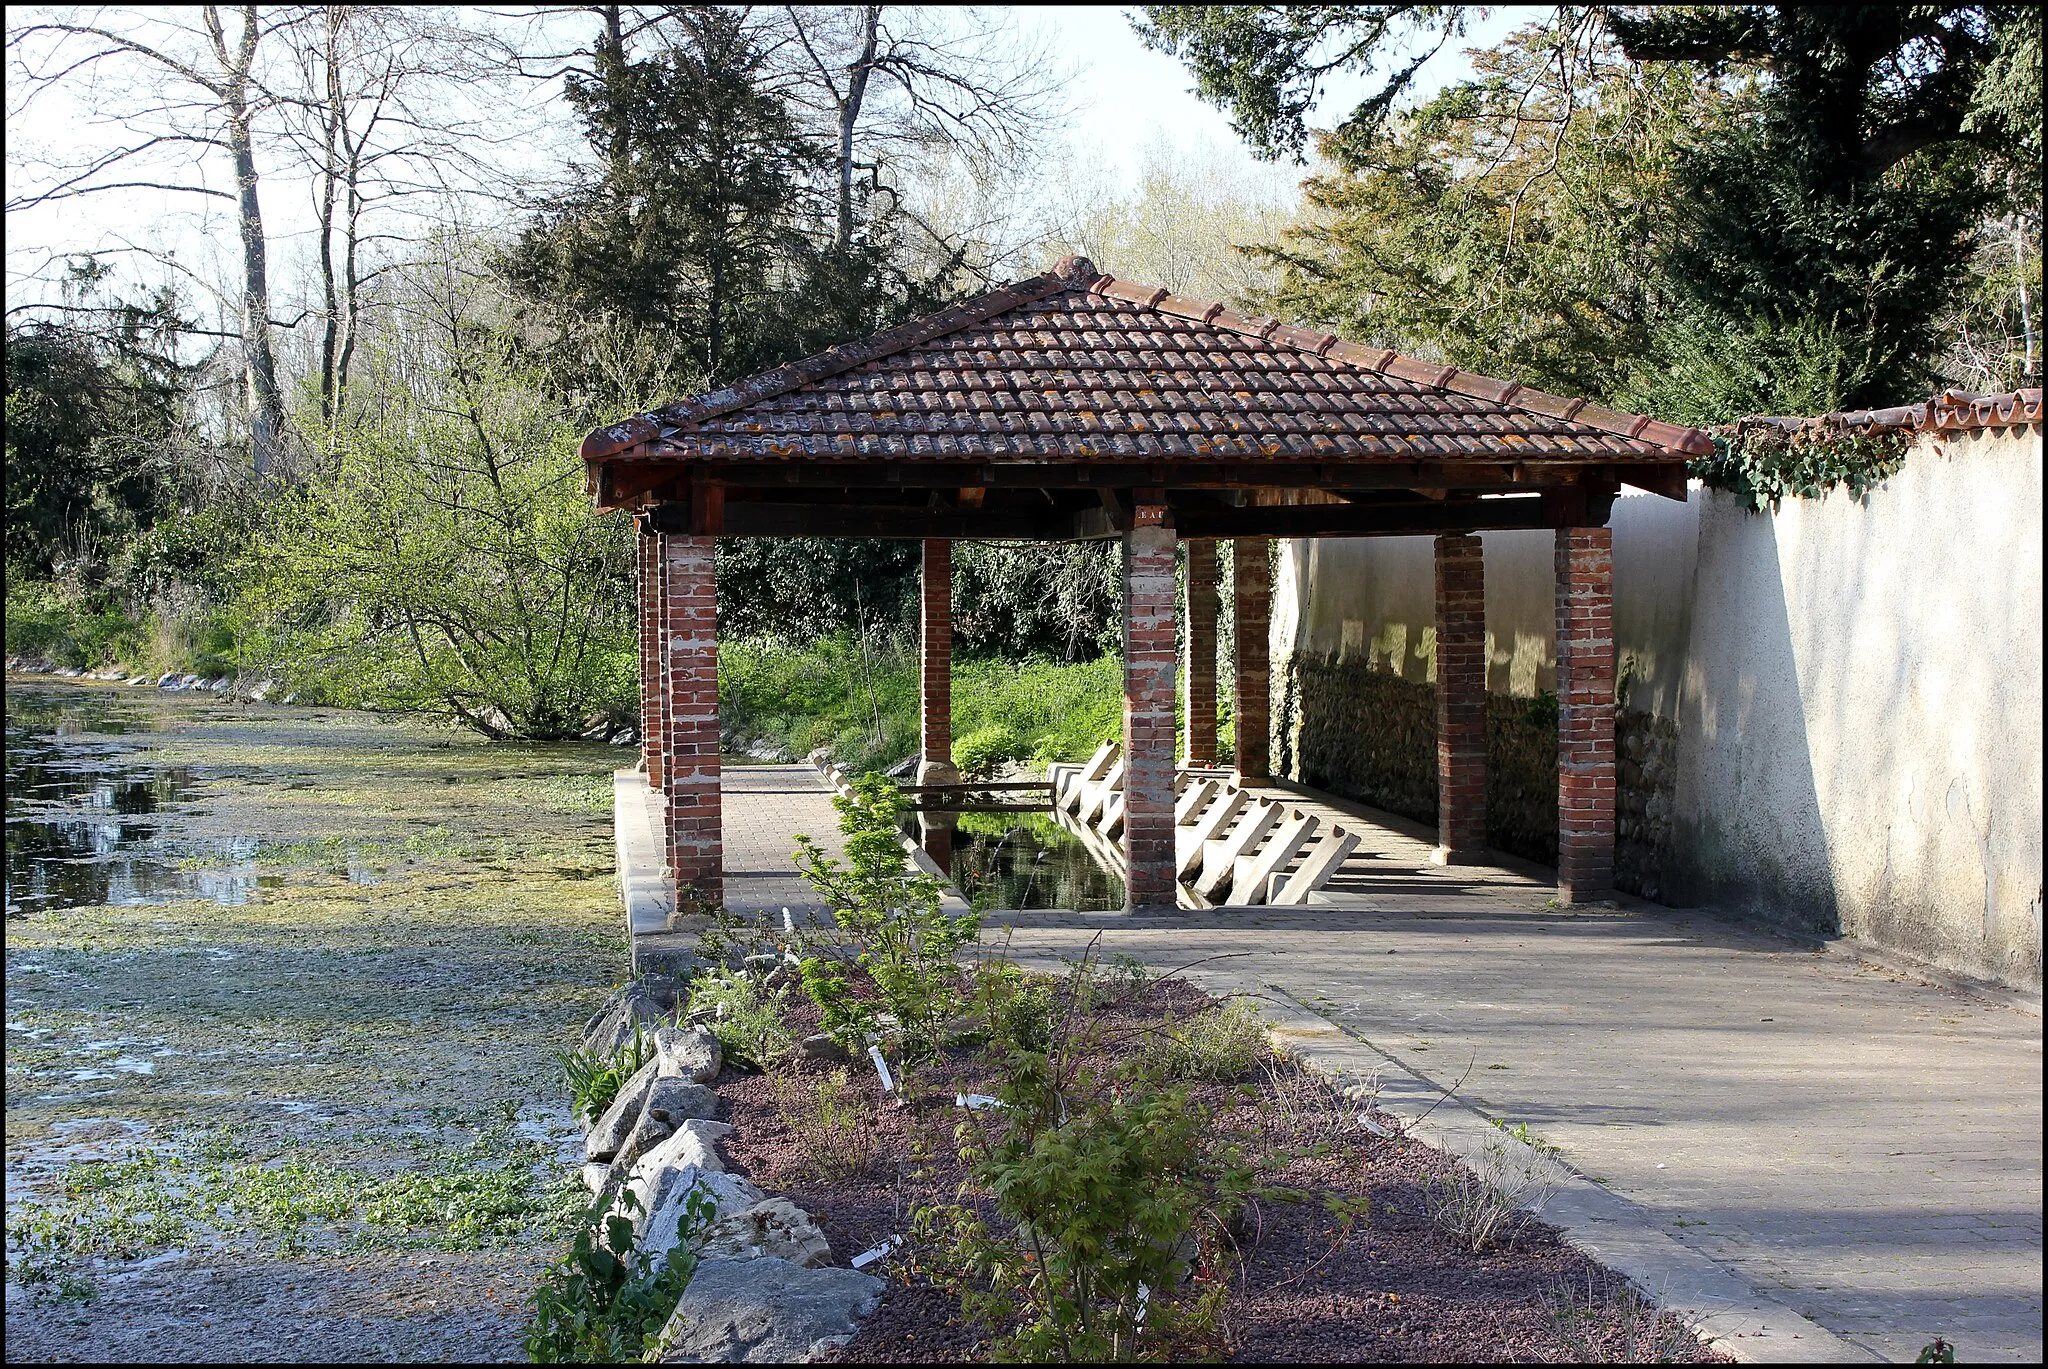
<point>1201,667</point>
<point>689,683</point>
<point>1460,700</point>
<point>935,694</point>
<point>1252,581</point>
<point>647,601</point>
<point>1149,661</point>
<point>1585,713</point>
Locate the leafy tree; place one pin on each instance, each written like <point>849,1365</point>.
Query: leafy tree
<point>91,421</point>
<point>1063,601</point>
<point>1808,213</point>
<point>1829,223</point>
<point>447,559</point>
<point>800,589</point>
<point>1511,224</point>
<point>690,227</point>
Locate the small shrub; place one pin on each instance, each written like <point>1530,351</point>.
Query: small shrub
<point>1219,1044</point>
<point>1306,1105</point>
<point>829,1121</point>
<point>598,1305</point>
<point>744,1011</point>
<point>905,942</point>
<point>1489,1207</point>
<point>595,1077</point>
<point>986,750</point>
<point>1628,1330</point>
<point>1103,1191</point>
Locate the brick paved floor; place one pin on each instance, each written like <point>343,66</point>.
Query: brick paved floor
<point>765,806</point>
<point>1862,1146</point>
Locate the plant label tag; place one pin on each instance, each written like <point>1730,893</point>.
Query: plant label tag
<point>868,1257</point>
<point>974,1102</point>
<point>1365,1120</point>
<point>882,1068</point>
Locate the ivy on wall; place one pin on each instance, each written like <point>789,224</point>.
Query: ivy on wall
<point>1763,463</point>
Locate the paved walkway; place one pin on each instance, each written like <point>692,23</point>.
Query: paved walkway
<point>1855,1144</point>
<point>765,806</point>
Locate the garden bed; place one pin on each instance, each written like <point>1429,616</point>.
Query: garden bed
<point>1343,1251</point>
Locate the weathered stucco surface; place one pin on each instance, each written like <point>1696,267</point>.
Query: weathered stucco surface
<point>1861,718</point>
<point>1832,716</point>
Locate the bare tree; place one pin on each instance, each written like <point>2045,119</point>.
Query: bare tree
<point>189,97</point>
<point>887,81</point>
<point>374,99</point>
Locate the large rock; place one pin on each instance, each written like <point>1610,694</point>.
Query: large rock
<point>691,1054</point>
<point>610,1028</point>
<point>775,1228</point>
<point>676,1100</point>
<point>616,1122</point>
<point>693,1145</point>
<point>660,1224</point>
<point>668,1103</point>
<point>766,1311</point>
<point>648,1132</point>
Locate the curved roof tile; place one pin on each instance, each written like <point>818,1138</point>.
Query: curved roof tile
<point>1072,354</point>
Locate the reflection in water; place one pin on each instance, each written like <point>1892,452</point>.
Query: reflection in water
<point>1026,860</point>
<point>80,818</point>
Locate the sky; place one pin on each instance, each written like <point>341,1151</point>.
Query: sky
<point>1126,103</point>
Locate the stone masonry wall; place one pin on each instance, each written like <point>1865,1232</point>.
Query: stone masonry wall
<point>1646,777</point>
<point>1370,735</point>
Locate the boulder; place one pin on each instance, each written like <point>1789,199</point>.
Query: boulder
<point>823,1050</point>
<point>669,1103</point>
<point>647,1132</point>
<point>616,1122</point>
<point>660,1226</point>
<point>766,1311</point>
<point>610,1028</point>
<point>687,1053</point>
<point>676,1100</point>
<point>594,1176</point>
<point>775,1228</point>
<point>692,1146</point>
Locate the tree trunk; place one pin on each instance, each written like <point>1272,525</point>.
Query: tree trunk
<point>849,116</point>
<point>266,406</point>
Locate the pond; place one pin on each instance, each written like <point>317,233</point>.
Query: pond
<point>1027,860</point>
<point>85,818</point>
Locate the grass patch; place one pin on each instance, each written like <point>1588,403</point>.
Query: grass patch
<point>863,707</point>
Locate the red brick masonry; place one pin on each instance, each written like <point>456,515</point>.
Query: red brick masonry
<point>936,693</point>
<point>689,682</point>
<point>1201,635</point>
<point>1585,713</point>
<point>1252,580</point>
<point>1150,653</point>
<point>1460,698</point>
<point>647,589</point>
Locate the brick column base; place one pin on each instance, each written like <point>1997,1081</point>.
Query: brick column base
<point>1585,713</point>
<point>1201,666</point>
<point>1150,653</point>
<point>689,686</point>
<point>1460,700</point>
<point>1252,581</point>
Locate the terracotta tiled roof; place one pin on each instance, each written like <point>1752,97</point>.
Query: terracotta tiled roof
<point>1949,411</point>
<point>1074,363</point>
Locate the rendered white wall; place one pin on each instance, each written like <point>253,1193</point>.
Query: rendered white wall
<point>1860,723</point>
<point>1857,686</point>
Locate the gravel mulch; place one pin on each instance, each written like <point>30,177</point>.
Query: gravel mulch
<point>1395,1287</point>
